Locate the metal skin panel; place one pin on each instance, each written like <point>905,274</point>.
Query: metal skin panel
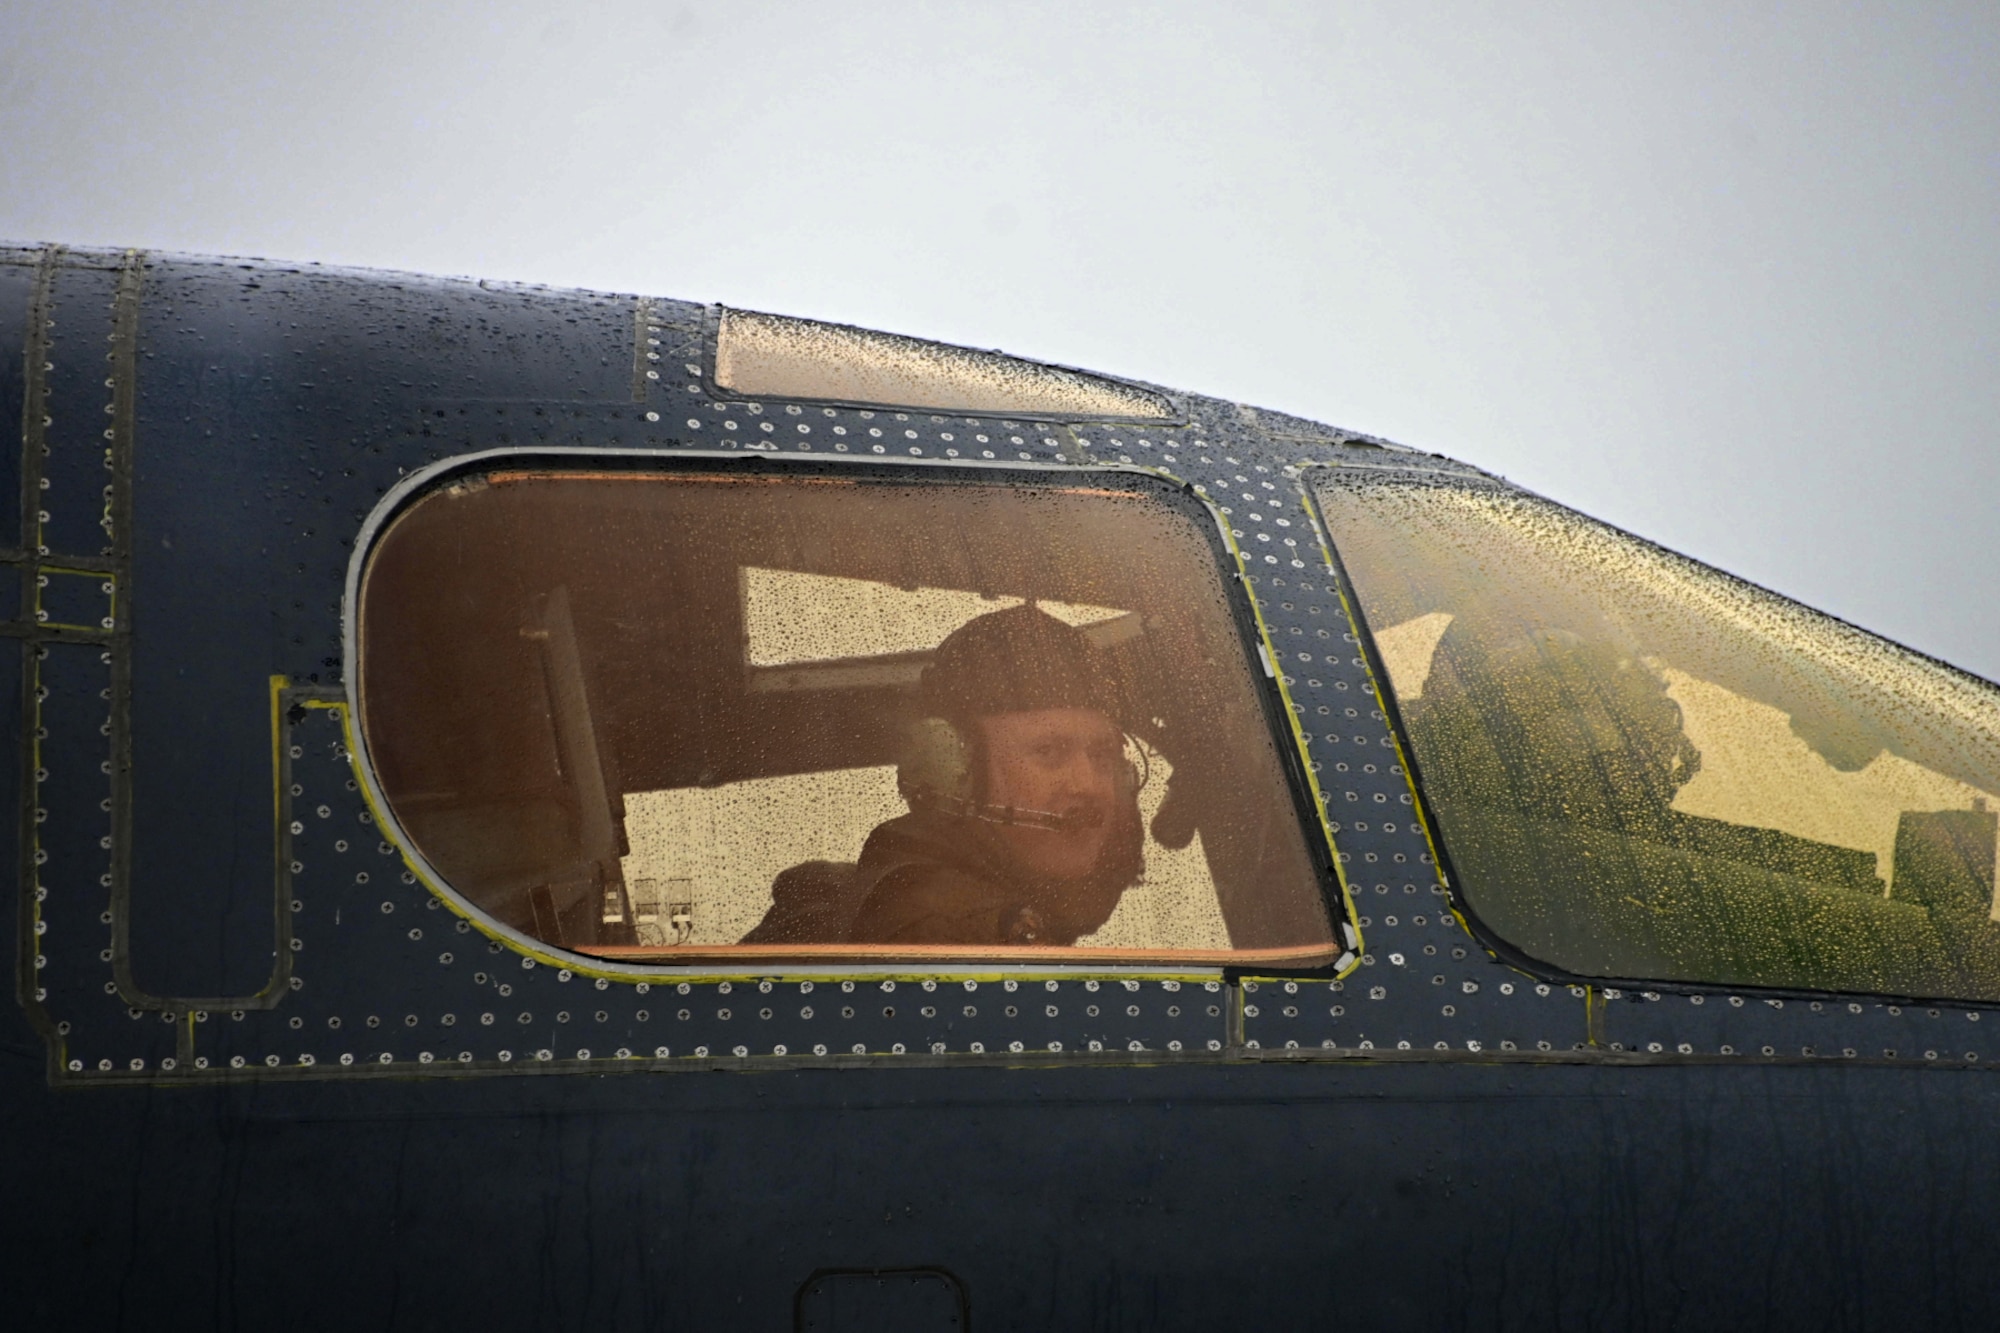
<point>188,1145</point>
<point>268,399</point>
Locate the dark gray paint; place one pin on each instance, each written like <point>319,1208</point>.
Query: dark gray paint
<point>1258,1184</point>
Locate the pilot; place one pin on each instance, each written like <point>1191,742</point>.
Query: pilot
<point>1024,824</point>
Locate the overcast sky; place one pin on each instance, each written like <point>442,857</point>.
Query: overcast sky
<point>1727,275</point>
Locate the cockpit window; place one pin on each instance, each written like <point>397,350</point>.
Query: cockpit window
<point>672,716</point>
<point>778,356</point>
<point>1645,769</point>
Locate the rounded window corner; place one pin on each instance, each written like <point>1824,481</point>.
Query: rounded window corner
<point>598,695</point>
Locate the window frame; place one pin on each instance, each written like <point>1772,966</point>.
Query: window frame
<point>1267,687</point>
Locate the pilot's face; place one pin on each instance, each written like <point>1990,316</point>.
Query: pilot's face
<point>1063,761</point>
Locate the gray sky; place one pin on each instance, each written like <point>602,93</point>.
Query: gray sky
<point>1727,275</point>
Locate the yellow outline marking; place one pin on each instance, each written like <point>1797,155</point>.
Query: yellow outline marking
<point>1375,687</point>
<point>101,575</point>
<point>1292,716</point>
<point>1409,777</point>
<point>36,859</point>
<point>279,684</point>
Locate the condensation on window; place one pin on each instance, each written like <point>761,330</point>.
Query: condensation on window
<point>792,617</point>
<point>686,716</point>
<point>777,356</point>
<point>1642,768</point>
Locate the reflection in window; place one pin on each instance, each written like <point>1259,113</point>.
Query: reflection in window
<point>1642,768</point>
<point>679,716</point>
